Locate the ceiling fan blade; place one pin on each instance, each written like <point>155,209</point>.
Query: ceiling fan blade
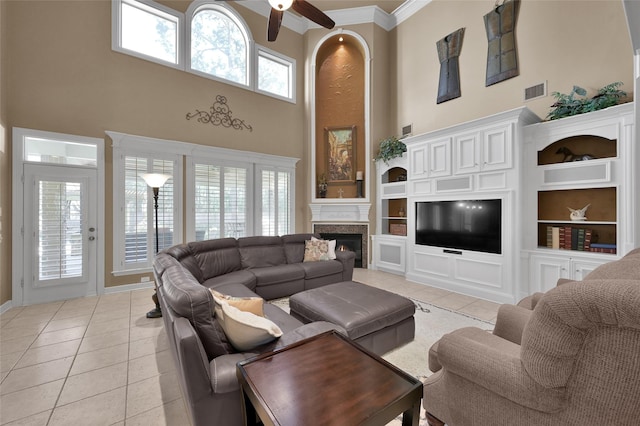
<point>311,12</point>
<point>275,20</point>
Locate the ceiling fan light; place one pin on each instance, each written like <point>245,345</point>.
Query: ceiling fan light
<point>281,4</point>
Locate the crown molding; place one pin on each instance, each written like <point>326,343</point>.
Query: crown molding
<point>343,17</point>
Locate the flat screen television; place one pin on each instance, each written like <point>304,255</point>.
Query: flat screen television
<point>462,224</point>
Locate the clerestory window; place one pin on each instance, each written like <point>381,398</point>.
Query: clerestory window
<point>219,44</point>
<point>211,39</point>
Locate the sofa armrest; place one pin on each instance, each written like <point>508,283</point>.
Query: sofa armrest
<point>348,260</point>
<point>494,364</point>
<point>511,321</point>
<point>223,371</point>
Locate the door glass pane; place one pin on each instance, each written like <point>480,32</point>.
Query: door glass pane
<point>60,242</point>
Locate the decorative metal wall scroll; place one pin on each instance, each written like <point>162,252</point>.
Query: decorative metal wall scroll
<point>502,56</point>
<point>448,53</point>
<point>219,114</point>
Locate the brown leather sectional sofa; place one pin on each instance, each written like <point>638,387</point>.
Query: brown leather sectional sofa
<point>269,267</point>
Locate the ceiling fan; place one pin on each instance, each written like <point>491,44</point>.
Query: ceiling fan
<point>303,7</point>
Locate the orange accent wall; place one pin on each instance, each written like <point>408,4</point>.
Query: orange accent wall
<point>340,103</point>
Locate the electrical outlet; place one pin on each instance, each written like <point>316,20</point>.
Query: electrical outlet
<point>145,279</point>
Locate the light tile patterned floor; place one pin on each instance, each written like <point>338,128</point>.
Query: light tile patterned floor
<point>100,361</point>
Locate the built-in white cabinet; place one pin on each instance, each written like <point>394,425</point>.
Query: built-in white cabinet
<point>472,163</point>
<point>547,270</point>
<point>389,253</point>
<point>430,159</point>
<point>389,243</point>
<point>483,150</point>
<point>557,245</point>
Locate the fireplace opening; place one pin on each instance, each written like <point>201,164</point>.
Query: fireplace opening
<point>351,242</point>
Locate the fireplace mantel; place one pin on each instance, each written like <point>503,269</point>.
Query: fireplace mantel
<point>334,212</point>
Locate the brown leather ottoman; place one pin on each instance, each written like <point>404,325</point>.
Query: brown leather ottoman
<point>376,319</point>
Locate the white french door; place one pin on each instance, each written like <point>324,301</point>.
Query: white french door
<point>60,220</point>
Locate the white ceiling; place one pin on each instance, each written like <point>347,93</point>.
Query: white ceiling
<point>386,5</point>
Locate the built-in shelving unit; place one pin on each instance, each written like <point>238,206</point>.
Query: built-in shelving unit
<point>389,244</point>
<point>584,160</point>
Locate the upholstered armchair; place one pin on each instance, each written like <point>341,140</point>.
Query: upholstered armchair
<point>572,360</point>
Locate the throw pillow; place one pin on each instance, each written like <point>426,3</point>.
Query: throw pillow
<point>316,250</point>
<point>332,247</point>
<point>245,330</point>
<point>246,304</point>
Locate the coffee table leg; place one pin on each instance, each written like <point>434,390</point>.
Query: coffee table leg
<point>250,415</point>
<point>411,417</point>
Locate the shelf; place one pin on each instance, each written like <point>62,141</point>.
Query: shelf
<point>578,222</point>
<point>394,217</point>
<point>564,251</point>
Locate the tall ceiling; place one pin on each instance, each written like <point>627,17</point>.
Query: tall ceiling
<point>386,5</point>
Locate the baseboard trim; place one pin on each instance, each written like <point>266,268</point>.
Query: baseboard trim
<point>6,306</point>
<point>129,287</point>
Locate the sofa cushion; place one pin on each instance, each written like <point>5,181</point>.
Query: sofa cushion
<point>193,301</point>
<point>216,257</point>
<point>243,276</point>
<point>316,250</point>
<point>260,252</point>
<point>294,246</point>
<point>246,304</point>
<point>278,274</point>
<point>332,247</point>
<point>182,254</point>
<point>245,330</point>
<point>320,269</point>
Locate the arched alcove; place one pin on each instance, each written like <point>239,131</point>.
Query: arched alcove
<point>340,116</point>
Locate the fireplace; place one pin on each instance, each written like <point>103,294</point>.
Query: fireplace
<point>348,237</point>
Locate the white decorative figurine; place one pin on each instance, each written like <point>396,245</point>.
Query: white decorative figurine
<point>578,214</point>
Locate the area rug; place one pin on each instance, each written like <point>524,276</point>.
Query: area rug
<point>431,323</point>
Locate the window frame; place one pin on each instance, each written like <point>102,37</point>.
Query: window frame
<point>155,9</point>
<point>192,161</point>
<point>261,51</point>
<point>185,155</point>
<point>201,5</point>
<point>151,150</point>
<point>183,43</point>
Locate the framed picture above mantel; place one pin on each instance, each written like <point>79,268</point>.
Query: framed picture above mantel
<point>341,154</point>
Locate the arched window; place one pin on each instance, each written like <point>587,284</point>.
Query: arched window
<point>220,44</point>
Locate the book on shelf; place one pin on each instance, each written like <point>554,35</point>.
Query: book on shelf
<point>603,248</point>
<point>569,238</point>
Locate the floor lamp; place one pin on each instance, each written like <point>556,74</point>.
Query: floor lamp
<point>155,181</point>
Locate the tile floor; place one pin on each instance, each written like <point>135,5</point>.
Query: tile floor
<point>100,361</point>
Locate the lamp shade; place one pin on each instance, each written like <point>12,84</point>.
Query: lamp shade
<point>155,180</point>
<point>281,4</point>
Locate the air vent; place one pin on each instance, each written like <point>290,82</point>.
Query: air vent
<point>406,130</point>
<point>535,92</point>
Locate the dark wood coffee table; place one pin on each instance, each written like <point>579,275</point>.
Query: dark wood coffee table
<point>327,380</point>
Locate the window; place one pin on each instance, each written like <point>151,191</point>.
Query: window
<point>215,42</point>
<point>275,74</point>
<point>276,202</point>
<point>219,45</point>
<point>147,30</point>
<point>227,193</point>
<point>134,209</point>
<point>220,201</point>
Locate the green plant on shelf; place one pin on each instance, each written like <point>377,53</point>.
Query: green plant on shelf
<point>390,148</point>
<point>577,102</point>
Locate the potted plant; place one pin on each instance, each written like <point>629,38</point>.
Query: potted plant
<point>568,105</point>
<point>390,148</point>
<point>322,185</point>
